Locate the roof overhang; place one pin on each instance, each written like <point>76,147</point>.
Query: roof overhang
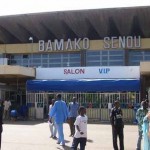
<point>145,68</point>
<point>11,74</point>
<point>84,85</point>
<point>93,24</point>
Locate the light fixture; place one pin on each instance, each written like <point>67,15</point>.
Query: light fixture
<point>31,38</point>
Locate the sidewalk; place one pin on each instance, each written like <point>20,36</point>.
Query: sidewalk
<point>34,135</point>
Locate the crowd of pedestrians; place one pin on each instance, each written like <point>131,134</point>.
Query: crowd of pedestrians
<point>75,115</point>
<point>59,113</point>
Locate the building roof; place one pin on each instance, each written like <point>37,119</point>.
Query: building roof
<point>94,24</point>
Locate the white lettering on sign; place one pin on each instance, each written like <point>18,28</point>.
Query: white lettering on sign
<point>59,45</point>
<point>74,71</point>
<point>69,45</point>
<point>49,45</point>
<point>41,45</point>
<point>122,42</point>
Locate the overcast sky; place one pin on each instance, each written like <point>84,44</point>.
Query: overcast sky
<point>11,7</point>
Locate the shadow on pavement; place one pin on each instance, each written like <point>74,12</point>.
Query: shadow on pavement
<point>89,140</point>
<point>25,122</point>
<point>65,148</point>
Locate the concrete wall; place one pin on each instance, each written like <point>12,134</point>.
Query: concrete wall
<point>34,47</point>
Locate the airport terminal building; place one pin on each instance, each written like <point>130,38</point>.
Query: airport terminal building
<point>97,55</point>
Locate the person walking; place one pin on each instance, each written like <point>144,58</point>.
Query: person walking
<point>140,114</point>
<point>146,132</point>
<point>7,104</point>
<point>73,112</point>
<point>60,111</point>
<point>80,136</point>
<point>1,121</point>
<point>52,123</point>
<point>117,125</point>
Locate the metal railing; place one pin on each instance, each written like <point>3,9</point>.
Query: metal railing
<point>96,103</point>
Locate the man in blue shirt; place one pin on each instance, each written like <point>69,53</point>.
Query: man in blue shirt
<point>73,112</point>
<point>60,111</point>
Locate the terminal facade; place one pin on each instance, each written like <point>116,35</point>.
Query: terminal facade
<point>75,45</point>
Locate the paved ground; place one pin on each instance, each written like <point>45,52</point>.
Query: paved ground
<point>34,135</point>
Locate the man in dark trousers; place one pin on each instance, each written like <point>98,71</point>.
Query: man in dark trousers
<point>1,120</point>
<point>117,125</point>
<point>73,113</point>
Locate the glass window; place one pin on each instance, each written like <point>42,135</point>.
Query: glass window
<point>25,56</point>
<point>55,56</point>
<point>116,57</point>
<point>93,64</point>
<point>36,61</point>
<point>1,55</point>
<point>146,57</point>
<point>93,57</point>
<point>36,65</point>
<point>147,52</point>
<point>36,55</point>
<point>74,64</point>
<point>116,63</point>
<point>115,52</point>
<point>44,55</point>
<point>93,52</point>
<point>54,65</point>
<point>136,56</point>
<point>44,60</point>
<point>104,63</point>
<point>74,55</point>
<point>45,65</point>
<point>16,56</point>
<point>25,60</point>
<point>17,61</point>
<point>106,58</point>
<point>54,60</point>
<point>104,52</point>
<point>134,63</point>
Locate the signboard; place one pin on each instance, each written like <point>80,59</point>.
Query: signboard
<point>119,72</point>
<point>84,43</point>
<point>60,45</point>
<point>122,42</point>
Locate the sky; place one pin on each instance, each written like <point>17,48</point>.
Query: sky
<point>11,7</point>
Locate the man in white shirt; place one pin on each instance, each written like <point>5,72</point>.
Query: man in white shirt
<point>80,136</point>
<point>7,105</point>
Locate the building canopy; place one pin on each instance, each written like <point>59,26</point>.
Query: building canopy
<point>93,24</point>
<point>84,85</point>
